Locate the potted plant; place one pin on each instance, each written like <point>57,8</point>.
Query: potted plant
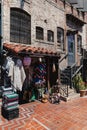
<point>79,85</point>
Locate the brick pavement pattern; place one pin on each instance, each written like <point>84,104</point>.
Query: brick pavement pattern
<point>71,115</point>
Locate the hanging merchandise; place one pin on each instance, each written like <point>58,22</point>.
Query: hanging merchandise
<point>8,64</point>
<point>39,79</point>
<point>54,68</point>
<point>19,63</point>
<point>27,61</point>
<point>17,74</point>
<point>40,72</point>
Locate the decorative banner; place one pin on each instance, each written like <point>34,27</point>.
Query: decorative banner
<point>27,61</point>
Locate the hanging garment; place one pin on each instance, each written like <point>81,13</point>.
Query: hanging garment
<point>19,76</point>
<point>27,61</point>
<point>7,63</point>
<point>30,73</point>
<point>6,67</point>
<point>54,68</point>
<point>11,71</point>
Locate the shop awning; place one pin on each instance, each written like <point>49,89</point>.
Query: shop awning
<point>75,19</point>
<point>30,50</point>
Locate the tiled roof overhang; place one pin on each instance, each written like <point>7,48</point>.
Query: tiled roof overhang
<point>75,19</point>
<point>26,49</point>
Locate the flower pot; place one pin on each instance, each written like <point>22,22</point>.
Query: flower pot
<point>82,93</point>
<point>86,92</point>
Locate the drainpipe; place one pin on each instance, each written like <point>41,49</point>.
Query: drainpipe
<point>2,14</point>
<point>1,42</point>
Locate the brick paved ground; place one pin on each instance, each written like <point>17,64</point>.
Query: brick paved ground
<point>71,115</point>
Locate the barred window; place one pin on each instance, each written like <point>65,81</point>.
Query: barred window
<point>79,43</point>
<point>39,33</point>
<point>50,36</point>
<point>20,26</point>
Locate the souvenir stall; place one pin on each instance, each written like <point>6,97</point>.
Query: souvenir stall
<point>31,75</point>
<point>35,83</point>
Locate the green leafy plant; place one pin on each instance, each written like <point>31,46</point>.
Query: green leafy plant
<point>78,82</point>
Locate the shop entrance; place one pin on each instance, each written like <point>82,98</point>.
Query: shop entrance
<point>30,73</point>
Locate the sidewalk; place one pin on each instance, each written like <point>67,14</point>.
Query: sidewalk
<point>71,115</point>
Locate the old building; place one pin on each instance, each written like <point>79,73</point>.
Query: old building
<point>54,27</point>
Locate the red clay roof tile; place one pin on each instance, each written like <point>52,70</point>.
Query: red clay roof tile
<point>20,48</point>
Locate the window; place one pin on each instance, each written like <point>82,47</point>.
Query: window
<point>39,33</point>
<point>71,43</point>
<point>50,36</point>
<point>60,37</point>
<point>20,26</point>
<point>79,43</point>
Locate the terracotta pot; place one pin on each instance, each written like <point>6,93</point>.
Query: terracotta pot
<point>82,93</point>
<point>44,100</point>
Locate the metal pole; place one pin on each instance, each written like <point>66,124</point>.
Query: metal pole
<point>2,5</point>
<point>1,42</point>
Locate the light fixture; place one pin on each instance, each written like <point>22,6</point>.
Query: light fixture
<point>40,59</point>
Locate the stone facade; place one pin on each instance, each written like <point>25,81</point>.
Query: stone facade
<point>48,14</point>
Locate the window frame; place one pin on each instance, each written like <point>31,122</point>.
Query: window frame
<point>39,33</point>
<point>79,43</point>
<point>20,26</point>
<point>50,36</point>
<point>59,40</point>
<point>60,37</point>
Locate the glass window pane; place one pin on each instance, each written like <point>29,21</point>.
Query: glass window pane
<point>39,33</point>
<point>79,43</point>
<point>50,36</point>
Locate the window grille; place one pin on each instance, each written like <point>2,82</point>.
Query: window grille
<point>20,26</point>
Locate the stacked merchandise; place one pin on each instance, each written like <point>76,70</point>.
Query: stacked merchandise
<point>10,105</point>
<point>39,79</point>
<point>6,90</point>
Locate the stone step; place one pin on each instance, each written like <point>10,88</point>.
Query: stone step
<point>70,97</point>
